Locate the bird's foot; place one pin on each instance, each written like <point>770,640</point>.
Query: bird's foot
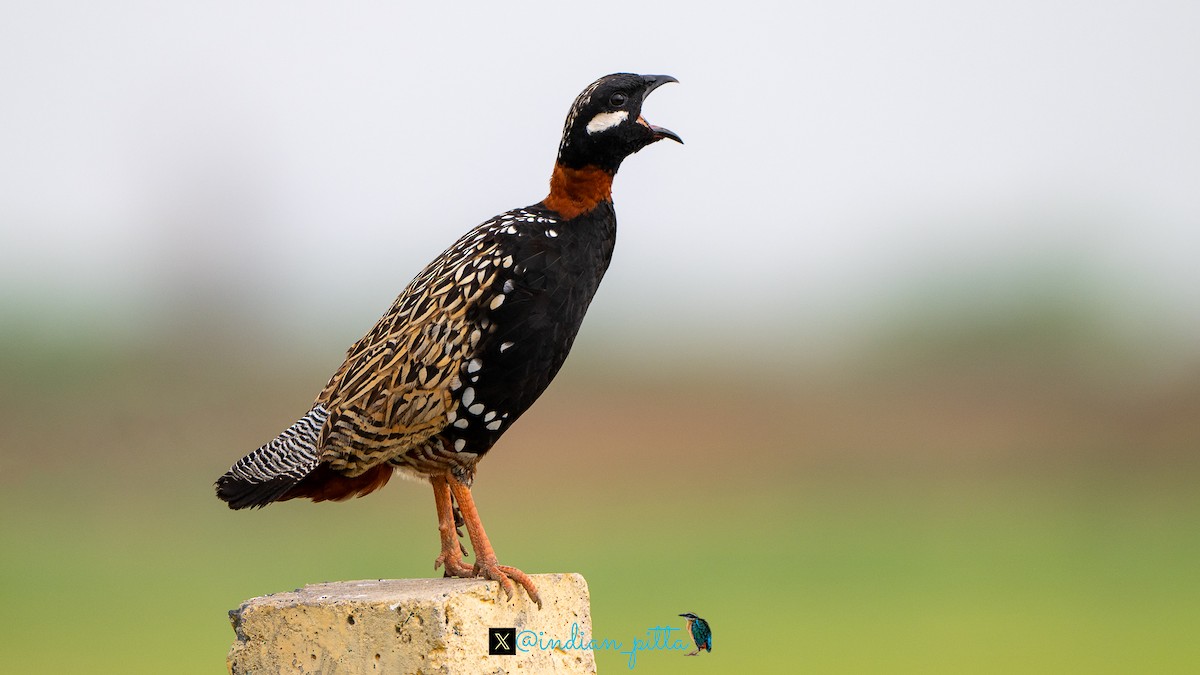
<point>455,567</point>
<point>490,569</point>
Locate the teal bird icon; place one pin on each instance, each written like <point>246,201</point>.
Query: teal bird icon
<point>701,633</point>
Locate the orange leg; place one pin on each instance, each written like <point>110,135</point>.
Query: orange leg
<point>452,551</point>
<point>486,564</point>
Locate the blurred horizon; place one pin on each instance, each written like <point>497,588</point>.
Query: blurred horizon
<point>998,497</point>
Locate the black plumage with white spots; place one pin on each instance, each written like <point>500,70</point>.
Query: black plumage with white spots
<point>469,344</point>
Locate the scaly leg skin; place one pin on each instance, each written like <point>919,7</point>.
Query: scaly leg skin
<point>486,564</point>
<point>452,550</point>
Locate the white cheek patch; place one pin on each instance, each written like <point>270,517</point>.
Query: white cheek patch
<point>606,120</point>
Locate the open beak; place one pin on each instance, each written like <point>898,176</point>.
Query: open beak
<point>661,133</point>
<point>654,82</point>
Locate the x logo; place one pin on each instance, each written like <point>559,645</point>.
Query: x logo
<point>502,641</point>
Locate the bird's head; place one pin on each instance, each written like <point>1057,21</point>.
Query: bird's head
<point>605,124</point>
<point>690,616</point>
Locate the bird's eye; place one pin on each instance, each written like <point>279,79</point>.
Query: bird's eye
<point>617,100</point>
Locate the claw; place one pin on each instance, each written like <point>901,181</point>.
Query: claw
<point>459,523</point>
<point>454,566</point>
<point>506,575</point>
<point>492,571</point>
<point>526,583</point>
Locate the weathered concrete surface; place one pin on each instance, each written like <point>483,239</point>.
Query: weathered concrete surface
<point>408,626</point>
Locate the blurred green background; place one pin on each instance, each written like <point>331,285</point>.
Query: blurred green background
<point>1011,497</point>
<point>896,369</point>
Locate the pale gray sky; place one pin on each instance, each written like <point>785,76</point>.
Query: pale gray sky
<point>837,153</point>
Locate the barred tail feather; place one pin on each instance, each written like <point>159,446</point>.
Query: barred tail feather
<point>267,474</point>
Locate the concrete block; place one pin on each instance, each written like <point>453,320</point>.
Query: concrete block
<point>408,626</point>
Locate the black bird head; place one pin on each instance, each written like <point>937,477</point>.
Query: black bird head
<point>689,615</point>
<point>605,124</point>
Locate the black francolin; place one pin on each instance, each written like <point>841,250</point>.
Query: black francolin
<point>468,346</point>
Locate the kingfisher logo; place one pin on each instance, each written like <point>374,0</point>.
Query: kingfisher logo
<point>502,641</point>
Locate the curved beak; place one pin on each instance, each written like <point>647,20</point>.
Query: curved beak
<point>661,133</point>
<point>654,82</point>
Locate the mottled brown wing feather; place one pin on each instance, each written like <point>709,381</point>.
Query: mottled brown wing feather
<point>396,387</point>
